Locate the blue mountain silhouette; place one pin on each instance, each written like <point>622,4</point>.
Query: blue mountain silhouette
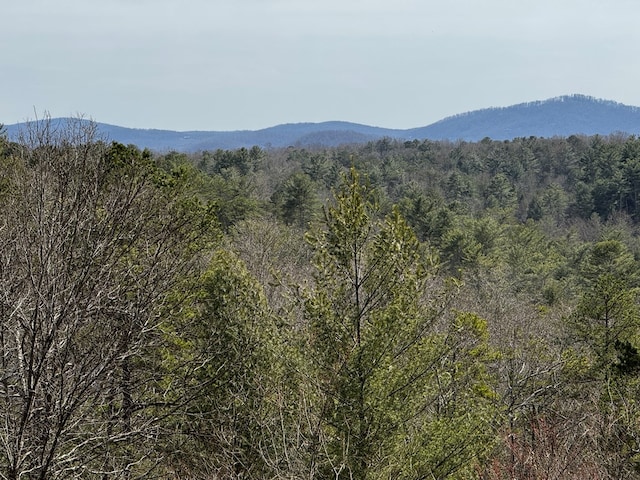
<point>560,116</point>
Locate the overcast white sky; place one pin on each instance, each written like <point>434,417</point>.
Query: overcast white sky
<point>249,64</point>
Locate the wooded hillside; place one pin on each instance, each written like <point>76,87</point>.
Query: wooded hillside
<point>393,309</point>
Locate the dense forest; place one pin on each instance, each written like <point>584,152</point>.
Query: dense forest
<point>388,310</point>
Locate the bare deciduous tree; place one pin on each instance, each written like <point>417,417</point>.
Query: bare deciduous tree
<point>92,238</point>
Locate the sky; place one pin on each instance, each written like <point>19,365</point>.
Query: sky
<point>251,64</point>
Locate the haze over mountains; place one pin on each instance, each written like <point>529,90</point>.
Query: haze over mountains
<point>560,116</point>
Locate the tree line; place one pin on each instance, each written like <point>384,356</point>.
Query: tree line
<point>387,310</point>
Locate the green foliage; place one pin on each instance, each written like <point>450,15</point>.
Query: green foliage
<point>609,257</point>
<point>230,162</point>
<point>607,314</point>
<point>500,193</point>
<point>456,428</point>
<point>426,214</point>
<point>296,200</point>
<point>606,325</point>
<point>383,370</point>
<point>233,197</point>
<point>222,358</point>
<point>471,243</point>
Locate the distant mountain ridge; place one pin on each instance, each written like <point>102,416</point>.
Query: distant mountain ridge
<point>559,116</point>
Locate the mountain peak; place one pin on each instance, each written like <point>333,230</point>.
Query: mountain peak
<point>558,116</point>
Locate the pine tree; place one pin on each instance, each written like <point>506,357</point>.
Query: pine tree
<point>395,378</point>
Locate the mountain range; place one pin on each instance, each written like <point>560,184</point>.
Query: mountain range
<point>560,116</point>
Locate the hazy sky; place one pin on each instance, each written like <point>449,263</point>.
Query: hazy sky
<point>249,64</point>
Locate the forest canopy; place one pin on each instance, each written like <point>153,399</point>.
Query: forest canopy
<point>384,310</point>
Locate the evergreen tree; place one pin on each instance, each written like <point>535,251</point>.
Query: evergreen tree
<point>396,390</point>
